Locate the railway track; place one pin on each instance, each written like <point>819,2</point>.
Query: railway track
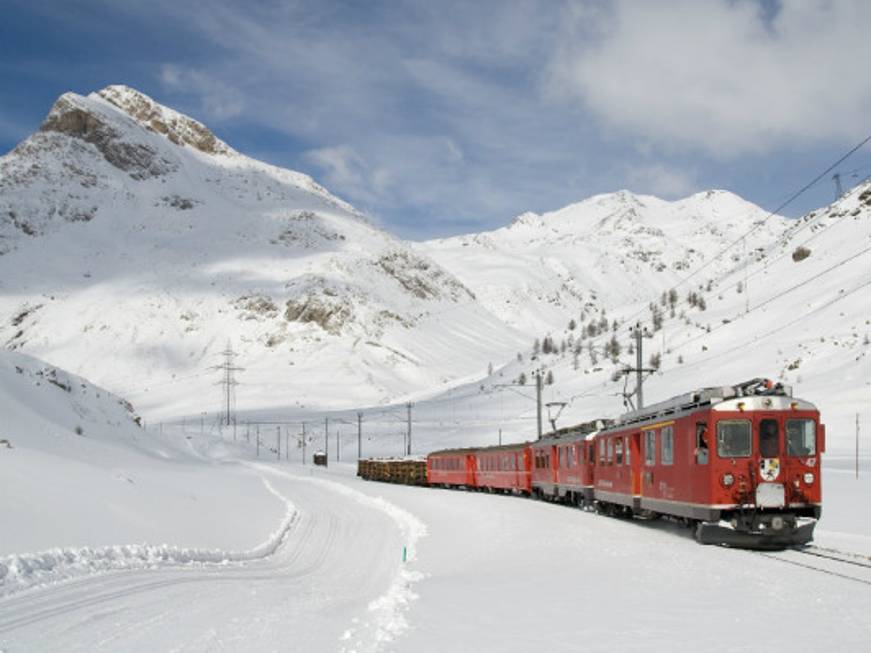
<point>855,567</point>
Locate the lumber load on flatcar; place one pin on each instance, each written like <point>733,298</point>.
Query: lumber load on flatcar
<point>406,471</point>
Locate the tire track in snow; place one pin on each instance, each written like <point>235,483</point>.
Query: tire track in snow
<point>386,614</point>
<point>28,570</point>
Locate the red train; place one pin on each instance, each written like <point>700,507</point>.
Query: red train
<point>739,463</point>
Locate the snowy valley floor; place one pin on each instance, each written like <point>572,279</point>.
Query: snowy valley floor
<point>311,560</point>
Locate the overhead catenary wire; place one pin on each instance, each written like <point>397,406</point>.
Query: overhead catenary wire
<point>777,329</point>
<point>747,233</point>
<point>778,295</point>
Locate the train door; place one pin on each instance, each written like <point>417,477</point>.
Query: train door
<point>769,446</point>
<point>637,462</point>
<point>554,467</point>
<point>471,470</point>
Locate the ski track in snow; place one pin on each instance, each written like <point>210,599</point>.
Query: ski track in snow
<point>28,570</point>
<point>387,612</point>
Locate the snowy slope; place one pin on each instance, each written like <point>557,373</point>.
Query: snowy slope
<point>134,245</point>
<point>78,470</point>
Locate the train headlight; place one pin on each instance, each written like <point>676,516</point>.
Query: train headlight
<point>728,479</point>
<point>777,522</point>
<point>808,478</point>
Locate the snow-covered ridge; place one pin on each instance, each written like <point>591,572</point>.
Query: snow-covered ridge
<point>42,404</point>
<point>26,570</point>
<point>608,251</point>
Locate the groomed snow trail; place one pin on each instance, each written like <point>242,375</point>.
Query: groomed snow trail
<point>334,581</point>
<point>18,572</point>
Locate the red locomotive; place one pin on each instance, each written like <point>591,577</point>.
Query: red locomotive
<point>740,463</point>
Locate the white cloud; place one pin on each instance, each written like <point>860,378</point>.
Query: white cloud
<point>218,100</point>
<point>660,180</point>
<point>346,171</point>
<point>720,76</point>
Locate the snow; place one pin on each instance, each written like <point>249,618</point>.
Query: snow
<point>124,284</point>
<point>330,562</point>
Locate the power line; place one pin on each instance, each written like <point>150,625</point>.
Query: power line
<point>776,296</point>
<point>759,224</point>
<point>800,318</point>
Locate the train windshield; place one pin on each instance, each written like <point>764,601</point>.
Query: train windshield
<point>769,438</point>
<point>801,437</point>
<point>733,438</point>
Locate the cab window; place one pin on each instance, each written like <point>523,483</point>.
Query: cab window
<point>769,438</point>
<point>733,438</point>
<point>618,451</point>
<point>801,437</point>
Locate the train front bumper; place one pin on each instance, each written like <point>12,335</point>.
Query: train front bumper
<point>724,533</point>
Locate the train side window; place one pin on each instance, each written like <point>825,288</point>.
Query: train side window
<point>602,451</point>
<point>610,458</point>
<point>701,448</point>
<point>667,445</point>
<point>618,451</point>
<point>626,447</point>
<point>650,447</point>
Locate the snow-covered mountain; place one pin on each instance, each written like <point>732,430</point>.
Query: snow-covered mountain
<point>134,245</point>
<point>608,251</point>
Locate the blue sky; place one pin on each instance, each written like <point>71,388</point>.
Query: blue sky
<point>447,117</point>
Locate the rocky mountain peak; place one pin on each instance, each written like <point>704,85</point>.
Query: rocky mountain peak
<point>74,116</point>
<point>178,128</point>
